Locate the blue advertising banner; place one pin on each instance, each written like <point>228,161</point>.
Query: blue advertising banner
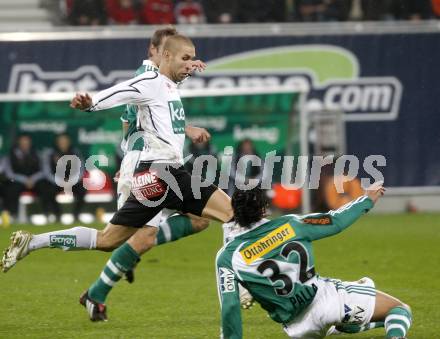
<point>386,84</point>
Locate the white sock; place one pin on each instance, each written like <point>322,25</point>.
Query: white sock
<point>76,238</point>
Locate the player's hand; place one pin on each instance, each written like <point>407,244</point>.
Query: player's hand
<point>197,134</point>
<point>375,191</point>
<point>81,101</point>
<point>198,65</point>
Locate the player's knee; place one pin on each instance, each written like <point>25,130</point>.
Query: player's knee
<point>104,242</point>
<point>199,225</point>
<point>143,239</point>
<point>400,305</point>
<point>150,242</point>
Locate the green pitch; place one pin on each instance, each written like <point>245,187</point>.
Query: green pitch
<point>175,296</point>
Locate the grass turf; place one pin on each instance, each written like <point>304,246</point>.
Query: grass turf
<point>174,295</point>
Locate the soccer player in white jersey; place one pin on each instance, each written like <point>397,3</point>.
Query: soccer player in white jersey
<point>159,179</point>
<point>171,227</point>
<point>274,260</point>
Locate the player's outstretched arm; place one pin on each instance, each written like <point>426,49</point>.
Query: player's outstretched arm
<point>321,225</point>
<point>134,91</point>
<point>375,191</point>
<point>227,287</point>
<point>349,213</point>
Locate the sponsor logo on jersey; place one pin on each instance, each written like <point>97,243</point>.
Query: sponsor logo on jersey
<point>146,185</point>
<point>177,115</point>
<point>318,220</point>
<point>353,315</point>
<point>266,244</point>
<point>226,277</point>
<point>62,241</point>
<point>150,68</point>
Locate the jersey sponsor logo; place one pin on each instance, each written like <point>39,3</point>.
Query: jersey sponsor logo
<point>226,277</point>
<point>318,220</point>
<point>62,241</point>
<point>353,315</point>
<point>146,185</point>
<point>177,115</point>
<point>151,68</point>
<point>266,244</point>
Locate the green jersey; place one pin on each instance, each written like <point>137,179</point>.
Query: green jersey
<point>274,261</point>
<point>130,114</point>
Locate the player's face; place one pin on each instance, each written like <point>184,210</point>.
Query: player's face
<point>63,143</point>
<point>182,63</point>
<point>25,143</point>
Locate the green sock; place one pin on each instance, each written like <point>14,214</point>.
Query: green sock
<point>398,322</point>
<point>174,228</point>
<point>123,259</point>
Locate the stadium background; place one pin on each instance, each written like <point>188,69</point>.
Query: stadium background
<point>375,55</point>
<point>399,252</point>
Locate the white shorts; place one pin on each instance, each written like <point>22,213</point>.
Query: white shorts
<point>336,302</point>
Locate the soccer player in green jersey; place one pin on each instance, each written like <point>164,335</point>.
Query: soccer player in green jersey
<point>274,260</point>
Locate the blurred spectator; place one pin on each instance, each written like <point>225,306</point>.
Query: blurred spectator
<point>411,9</point>
<point>121,12</point>
<point>220,11</point>
<point>241,174</point>
<point>52,158</point>
<point>23,169</point>
<point>87,13</point>
<point>255,11</point>
<point>337,10</point>
<point>311,10</point>
<point>189,12</point>
<point>157,12</point>
<point>435,8</point>
<point>198,149</point>
<point>375,9</point>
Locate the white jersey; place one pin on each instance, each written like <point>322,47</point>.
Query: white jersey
<point>160,117</point>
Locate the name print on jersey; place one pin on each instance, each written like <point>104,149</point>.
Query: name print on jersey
<point>268,243</point>
<point>177,115</point>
